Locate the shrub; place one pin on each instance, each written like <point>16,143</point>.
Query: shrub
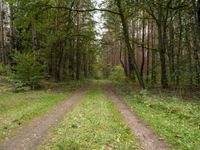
<point>4,70</point>
<point>117,74</point>
<point>97,71</point>
<point>29,70</point>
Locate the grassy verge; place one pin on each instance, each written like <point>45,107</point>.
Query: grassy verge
<point>95,123</point>
<point>18,108</point>
<point>175,120</point>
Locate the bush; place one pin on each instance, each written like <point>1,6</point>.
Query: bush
<point>117,74</point>
<point>4,70</point>
<point>29,70</point>
<point>97,71</point>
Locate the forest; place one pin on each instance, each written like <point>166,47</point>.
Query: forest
<point>99,74</point>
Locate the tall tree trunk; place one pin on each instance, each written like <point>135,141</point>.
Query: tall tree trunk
<point>55,64</point>
<point>71,59</point>
<point>127,40</point>
<point>85,63</point>
<point>61,62</point>
<point>78,55</point>
<point>148,52</point>
<point>1,34</point>
<point>12,44</point>
<point>179,47</point>
<point>161,26</point>
<point>131,70</point>
<point>196,8</point>
<point>190,71</point>
<point>153,55</point>
<point>171,49</point>
<point>125,58</point>
<point>121,60</point>
<point>164,81</point>
<point>143,43</point>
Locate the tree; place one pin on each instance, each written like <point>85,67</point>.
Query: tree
<point>127,40</point>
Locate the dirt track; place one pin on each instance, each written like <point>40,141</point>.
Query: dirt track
<point>148,139</point>
<point>30,136</point>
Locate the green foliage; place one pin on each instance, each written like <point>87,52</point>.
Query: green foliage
<point>29,70</point>
<point>56,39</point>
<point>117,74</point>
<point>4,70</point>
<point>97,71</point>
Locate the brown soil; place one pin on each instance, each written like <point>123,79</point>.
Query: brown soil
<point>148,139</point>
<point>31,135</point>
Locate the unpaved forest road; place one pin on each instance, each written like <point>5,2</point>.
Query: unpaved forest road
<point>30,136</point>
<point>148,139</point>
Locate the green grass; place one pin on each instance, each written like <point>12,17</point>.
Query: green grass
<point>178,122</point>
<point>94,124</point>
<point>19,108</point>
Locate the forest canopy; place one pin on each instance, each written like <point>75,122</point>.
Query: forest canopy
<point>149,42</point>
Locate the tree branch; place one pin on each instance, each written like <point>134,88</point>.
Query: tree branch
<point>81,10</point>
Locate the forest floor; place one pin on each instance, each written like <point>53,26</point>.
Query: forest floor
<point>99,120</point>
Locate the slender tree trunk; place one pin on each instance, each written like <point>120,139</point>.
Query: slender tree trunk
<point>71,60</point>
<point>12,44</point>
<point>125,58</point>
<point>1,33</point>
<point>143,51</point>
<point>179,48</point>
<point>153,63</point>
<point>121,60</point>
<point>196,8</point>
<point>171,49</point>
<point>78,55</point>
<point>56,50</point>
<point>148,52</point>
<point>131,73</point>
<point>161,26</point>
<point>189,57</point>
<point>127,40</point>
<point>61,62</point>
<point>164,81</point>
<point>85,63</point>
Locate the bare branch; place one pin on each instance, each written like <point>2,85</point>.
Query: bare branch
<point>81,10</point>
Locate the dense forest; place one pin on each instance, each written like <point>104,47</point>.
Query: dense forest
<point>41,38</point>
<point>155,42</point>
